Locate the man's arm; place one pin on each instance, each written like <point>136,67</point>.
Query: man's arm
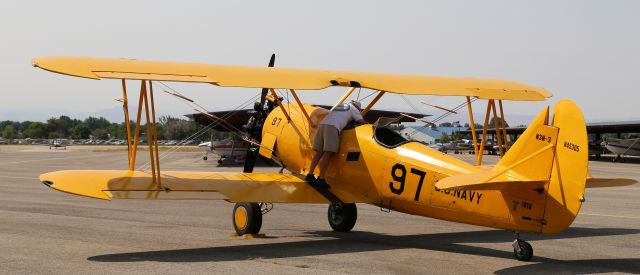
<point>358,117</point>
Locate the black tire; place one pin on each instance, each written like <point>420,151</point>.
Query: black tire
<point>252,221</point>
<point>342,216</point>
<point>526,251</point>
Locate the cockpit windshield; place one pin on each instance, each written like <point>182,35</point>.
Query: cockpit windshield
<point>385,134</point>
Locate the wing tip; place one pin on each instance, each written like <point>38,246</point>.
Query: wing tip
<point>67,65</point>
<point>50,178</point>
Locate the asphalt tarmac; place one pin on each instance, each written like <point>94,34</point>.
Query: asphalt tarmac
<point>46,231</point>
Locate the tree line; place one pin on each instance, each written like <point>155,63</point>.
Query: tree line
<point>168,128</point>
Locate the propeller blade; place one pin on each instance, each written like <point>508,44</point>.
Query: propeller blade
<point>250,158</point>
<point>252,152</point>
<point>272,61</point>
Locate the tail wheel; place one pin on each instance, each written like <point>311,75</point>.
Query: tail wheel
<point>247,218</point>
<point>342,216</point>
<point>522,250</point>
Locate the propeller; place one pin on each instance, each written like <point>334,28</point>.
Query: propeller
<point>254,125</point>
<point>272,60</point>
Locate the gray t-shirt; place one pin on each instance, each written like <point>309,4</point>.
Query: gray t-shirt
<point>341,116</point>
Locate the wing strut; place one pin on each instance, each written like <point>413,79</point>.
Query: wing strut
<point>125,108</point>
<point>373,102</point>
<point>344,97</point>
<point>152,134</point>
<point>500,129</point>
<point>473,129</point>
<point>496,126</point>
<point>301,106</point>
<point>279,102</point>
<point>504,128</point>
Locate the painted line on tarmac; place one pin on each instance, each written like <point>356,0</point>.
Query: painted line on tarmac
<point>44,159</point>
<point>610,216</point>
<point>613,188</point>
<point>14,177</point>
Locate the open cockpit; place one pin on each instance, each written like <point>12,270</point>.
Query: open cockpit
<point>385,135</point>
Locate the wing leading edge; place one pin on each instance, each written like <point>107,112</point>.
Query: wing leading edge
<point>284,78</point>
<point>233,187</point>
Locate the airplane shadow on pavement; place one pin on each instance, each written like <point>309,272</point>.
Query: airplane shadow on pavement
<point>353,242</point>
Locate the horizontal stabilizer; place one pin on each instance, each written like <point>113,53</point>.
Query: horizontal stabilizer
<point>488,180</point>
<point>600,183</point>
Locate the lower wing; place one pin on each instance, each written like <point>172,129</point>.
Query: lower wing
<point>233,187</point>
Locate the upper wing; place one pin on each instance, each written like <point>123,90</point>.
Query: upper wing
<point>234,187</point>
<point>265,77</point>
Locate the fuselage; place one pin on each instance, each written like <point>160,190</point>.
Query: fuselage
<point>385,170</point>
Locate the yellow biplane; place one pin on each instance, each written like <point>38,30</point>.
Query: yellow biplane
<point>537,186</point>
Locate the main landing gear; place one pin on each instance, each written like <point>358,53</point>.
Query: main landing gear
<point>522,249</point>
<point>247,217</point>
<point>342,216</point>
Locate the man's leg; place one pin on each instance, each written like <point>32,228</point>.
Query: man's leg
<point>318,144</point>
<point>324,164</point>
<point>314,161</point>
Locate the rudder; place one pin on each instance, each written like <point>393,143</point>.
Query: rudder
<point>565,191</point>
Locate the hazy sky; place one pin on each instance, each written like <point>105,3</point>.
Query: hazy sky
<point>587,51</point>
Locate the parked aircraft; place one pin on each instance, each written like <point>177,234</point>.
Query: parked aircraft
<point>622,147</point>
<point>58,143</point>
<point>538,185</point>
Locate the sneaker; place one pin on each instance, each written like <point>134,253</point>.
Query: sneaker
<point>310,178</point>
<point>322,184</point>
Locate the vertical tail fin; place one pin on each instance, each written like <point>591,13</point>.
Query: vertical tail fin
<point>565,190</point>
<point>538,136</point>
<point>564,168</point>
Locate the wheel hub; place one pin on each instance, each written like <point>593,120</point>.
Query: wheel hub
<point>240,218</point>
<point>337,214</point>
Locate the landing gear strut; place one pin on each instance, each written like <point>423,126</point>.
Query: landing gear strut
<point>342,216</point>
<point>522,249</point>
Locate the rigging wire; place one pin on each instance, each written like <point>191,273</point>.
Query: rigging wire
<point>197,134</point>
<point>372,93</point>
<point>214,123</point>
<point>411,104</point>
<point>446,114</point>
<point>201,109</point>
<point>457,108</point>
<point>184,142</point>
